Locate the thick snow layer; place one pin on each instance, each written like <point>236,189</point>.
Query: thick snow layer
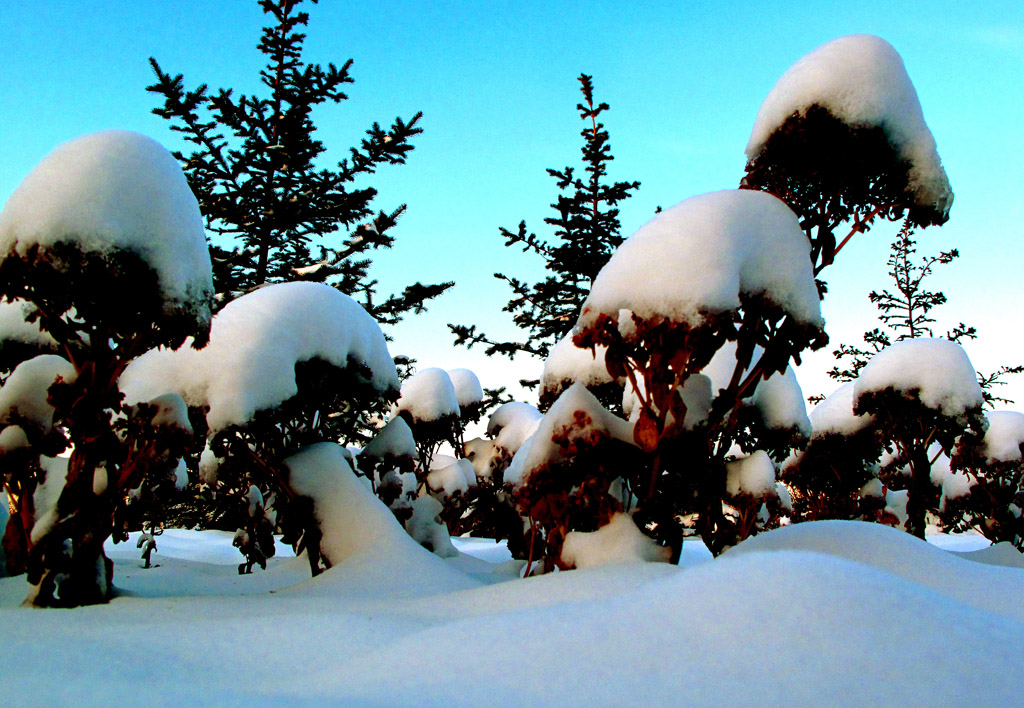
<point>468,391</point>
<point>427,529</point>
<point>753,475</point>
<point>936,369</point>
<point>448,475</point>
<point>511,423</point>
<point>428,395</point>
<point>818,620</point>
<point>171,412</point>
<point>576,410</point>
<point>255,343</point>
<point>835,416</point>
<point>568,363</point>
<point>393,440</point>
<point>618,541</point>
<point>26,391</point>
<point>1004,436</point>
<point>14,327</point>
<point>700,256</point>
<point>862,81</point>
<point>115,190</point>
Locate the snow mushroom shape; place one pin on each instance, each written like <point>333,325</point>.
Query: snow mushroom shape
<point>861,80</point>
<point>700,257</point>
<point>255,343</point>
<point>108,192</point>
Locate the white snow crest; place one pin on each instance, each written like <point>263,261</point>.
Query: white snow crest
<point>468,391</point>
<point>753,475</point>
<point>255,343</point>
<point>429,395</point>
<point>1004,436</point>
<point>618,541</point>
<point>115,190</point>
<point>700,256</point>
<point>14,327</point>
<point>393,440</point>
<point>567,362</point>
<point>582,414</point>
<point>936,369</point>
<point>862,81</point>
<point>26,391</point>
<point>835,416</point>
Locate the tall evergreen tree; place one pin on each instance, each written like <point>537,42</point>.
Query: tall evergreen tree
<point>256,175</point>
<point>586,233</point>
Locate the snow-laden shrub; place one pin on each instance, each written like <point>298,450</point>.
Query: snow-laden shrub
<point>842,138</point>
<point>729,266</point>
<point>102,247</point>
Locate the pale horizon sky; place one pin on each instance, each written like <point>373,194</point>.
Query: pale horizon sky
<point>496,82</point>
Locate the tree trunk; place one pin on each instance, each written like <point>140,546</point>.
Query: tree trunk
<point>920,491</point>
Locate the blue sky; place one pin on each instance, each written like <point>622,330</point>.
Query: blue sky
<point>496,82</point>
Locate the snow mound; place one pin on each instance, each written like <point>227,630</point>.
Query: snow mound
<point>393,440</point>
<point>835,416</point>
<point>576,415</point>
<point>115,190</point>
<point>468,391</point>
<point>992,589</point>
<point>618,541</point>
<point>1004,436</point>
<point>702,255</point>
<point>568,363</point>
<point>25,393</point>
<point>14,327</point>
<point>862,81</point>
<point>753,475</point>
<point>936,370</point>
<point>448,475</point>
<point>255,343</point>
<point>428,395</point>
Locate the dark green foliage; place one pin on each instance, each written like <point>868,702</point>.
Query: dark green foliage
<point>586,233</point>
<point>256,172</point>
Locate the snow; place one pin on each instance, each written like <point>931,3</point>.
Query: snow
<point>468,391</point>
<point>255,343</point>
<point>835,416</point>
<point>936,370</point>
<point>115,190</point>
<point>827,613</point>
<point>426,528</point>
<point>26,391</point>
<point>512,423</point>
<point>1004,436</point>
<point>448,475</point>
<point>581,416</point>
<point>171,412</point>
<point>393,440</point>
<point>568,363</point>
<point>428,395</point>
<point>618,541</point>
<point>14,327</point>
<point>699,257</point>
<point>862,81</point>
<point>695,393</point>
<point>753,475</point>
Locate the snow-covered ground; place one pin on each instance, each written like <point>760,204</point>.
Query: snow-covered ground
<point>827,613</point>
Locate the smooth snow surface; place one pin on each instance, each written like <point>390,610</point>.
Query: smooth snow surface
<point>429,395</point>
<point>700,256</point>
<point>818,614</point>
<point>618,541</point>
<point>25,393</point>
<point>115,190</point>
<point>393,440</point>
<point>568,363</point>
<point>753,475</point>
<point>255,343</point>
<point>468,391</point>
<point>835,416</point>
<point>937,370</point>
<point>862,81</point>
<point>1004,436</point>
<point>14,327</point>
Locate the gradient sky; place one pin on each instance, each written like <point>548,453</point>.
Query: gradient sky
<point>496,82</point>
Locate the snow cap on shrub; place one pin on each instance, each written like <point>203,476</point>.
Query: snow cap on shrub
<point>861,80</point>
<point>115,190</point>
<point>255,343</point>
<point>699,257</point>
<point>428,395</point>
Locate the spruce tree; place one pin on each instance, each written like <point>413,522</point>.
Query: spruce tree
<point>256,174</point>
<point>586,233</point>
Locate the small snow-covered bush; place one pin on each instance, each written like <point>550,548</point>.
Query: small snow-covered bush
<point>102,247</point>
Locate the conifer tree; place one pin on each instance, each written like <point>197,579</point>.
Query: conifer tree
<point>586,233</point>
<point>256,174</point>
